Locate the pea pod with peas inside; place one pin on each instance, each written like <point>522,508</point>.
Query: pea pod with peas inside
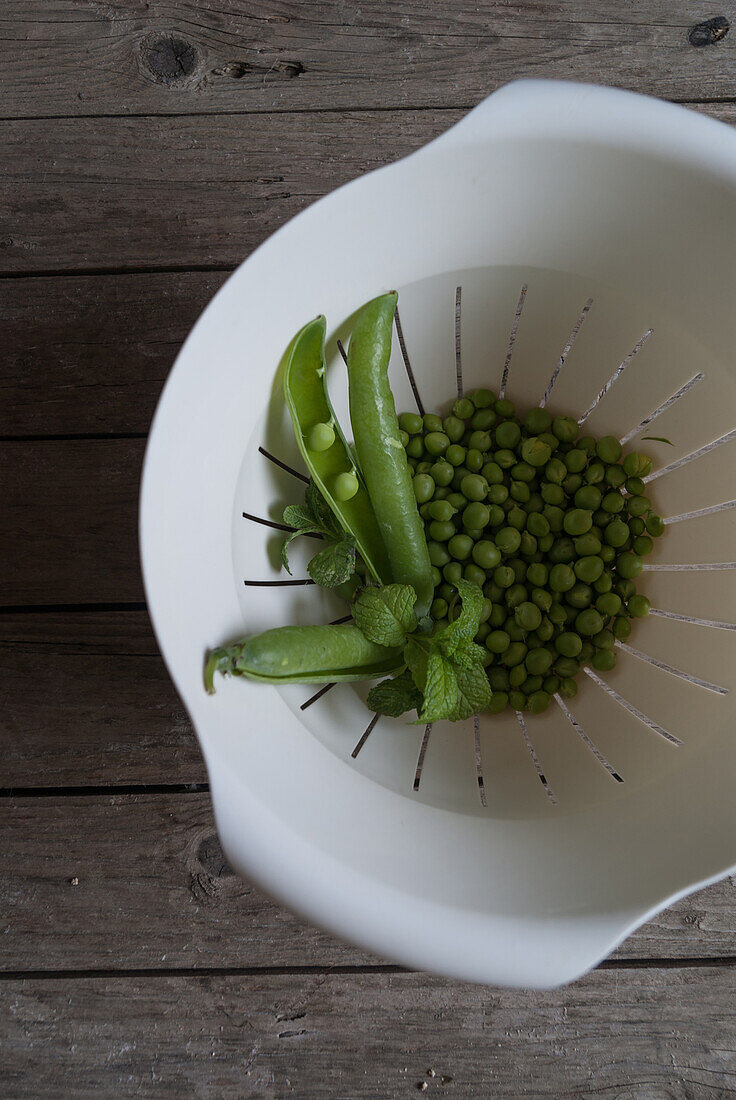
<point>325,451</point>
<point>304,655</point>
<point>380,451</point>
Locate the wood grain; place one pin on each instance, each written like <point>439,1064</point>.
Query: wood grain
<point>69,531</point>
<point>87,701</point>
<point>621,1033</point>
<point>154,891</point>
<point>82,195</point>
<point>91,354</point>
<point>186,56</point>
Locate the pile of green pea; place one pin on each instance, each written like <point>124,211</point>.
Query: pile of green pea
<point>552,526</point>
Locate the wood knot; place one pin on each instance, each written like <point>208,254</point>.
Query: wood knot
<point>168,58</point>
<point>212,858</point>
<point>278,70</point>
<point>710,31</point>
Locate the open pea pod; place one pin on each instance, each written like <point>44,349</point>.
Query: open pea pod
<point>325,450</point>
<point>304,655</point>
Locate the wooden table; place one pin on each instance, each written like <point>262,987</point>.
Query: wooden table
<point>146,149</point>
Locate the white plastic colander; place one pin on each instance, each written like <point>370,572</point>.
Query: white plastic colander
<point>446,851</point>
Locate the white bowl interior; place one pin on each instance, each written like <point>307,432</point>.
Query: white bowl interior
<point>579,192</point>
<point>668,360</point>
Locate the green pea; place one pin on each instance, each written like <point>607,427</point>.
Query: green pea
<point>571,484</point>
<point>566,428</point>
<point>575,460</point>
<point>545,543</point>
<point>616,533</point>
<point>493,473</point>
<point>411,423</point>
<point>604,639</point>
<point>442,473</point>
<point>519,567</point>
<point>499,702</point>
<point>520,491</point>
<point>423,488</point>
<point>528,616</point>
<point>482,420</point>
<point>604,660</point>
<point>568,644</point>
<point>498,615</point>
<point>552,684</point>
<point>577,521</point>
<point>516,595</point>
<point>566,666</point>
<point>474,487</point>
<point>431,422</point>
<point>638,606</point>
<point>588,497</point>
<point>486,554</point>
<point>542,598</point>
<point>621,628</point>
<point>563,550</point>
<point>504,407</point>
<point>463,408</point>
<point>498,677</point>
<point>615,476</point>
<point>607,604</point>
<point>423,467</point>
<point>589,622</point>
<point>637,465</point>
<point>441,510</point>
<point>625,588</point>
<point>552,494</point>
<point>507,434</point>
<point>555,471</point>
<point>530,684</point>
<point>517,700</point>
<point>415,447</point>
<point>561,578</point>
<point>545,631</point>
<point>496,515</point>
<point>441,530</point>
<point>454,428</point>
<point>608,449</point>
<point>475,517</point>
<point>596,472</point>
<point>528,547</point>
<point>322,436</point>
<point>436,443</point>
<point>535,451</point>
<point>438,610</point>
<point>655,525</point>
<point>345,486</point>
<point>538,702</point>
<point>606,554</point>
<point>587,443</point>
<point>474,574</point>
<point>637,526</point>
<point>514,654</point>
<point>579,596</point>
<point>508,540</point>
<point>505,458</point>
<point>537,525</point>
<point>587,544</point>
<point>515,632</point>
<point>455,454</point>
<point>474,461</point>
<point>480,441</point>
<point>538,661</point>
<point>516,517</point>
<point>639,506</point>
<point>557,614</point>
<point>460,547</point>
<point>438,555</point>
<point>588,569</point>
<point>452,572</point>
<point>629,565</point>
<point>568,688</point>
<point>537,574</point>
<point>504,576</point>
<point>643,545</point>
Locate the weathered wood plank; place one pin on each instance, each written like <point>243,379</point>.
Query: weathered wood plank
<point>87,701</point>
<point>91,354</point>
<point>72,508</point>
<point>186,56</point>
<point>155,891</point>
<point>90,194</point>
<point>624,1033</point>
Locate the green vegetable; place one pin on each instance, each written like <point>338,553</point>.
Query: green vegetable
<point>381,455</point>
<point>309,405</point>
<point>386,615</point>
<point>304,655</point>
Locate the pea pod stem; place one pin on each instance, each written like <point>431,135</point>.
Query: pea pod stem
<point>380,451</point>
<point>308,402</point>
<point>304,655</point>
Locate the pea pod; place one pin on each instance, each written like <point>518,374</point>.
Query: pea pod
<point>329,460</point>
<point>304,655</point>
<point>381,452</point>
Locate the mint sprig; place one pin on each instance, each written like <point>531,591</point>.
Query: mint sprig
<point>334,564</point>
<point>445,667</point>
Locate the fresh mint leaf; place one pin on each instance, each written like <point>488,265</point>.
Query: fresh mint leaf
<point>302,517</point>
<point>440,689</point>
<point>659,439</point>
<point>386,615</point>
<point>333,565</point>
<point>465,626</point>
<point>322,511</point>
<point>467,654</point>
<point>416,655</point>
<point>395,697</point>
<point>285,550</point>
<point>474,691</point>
